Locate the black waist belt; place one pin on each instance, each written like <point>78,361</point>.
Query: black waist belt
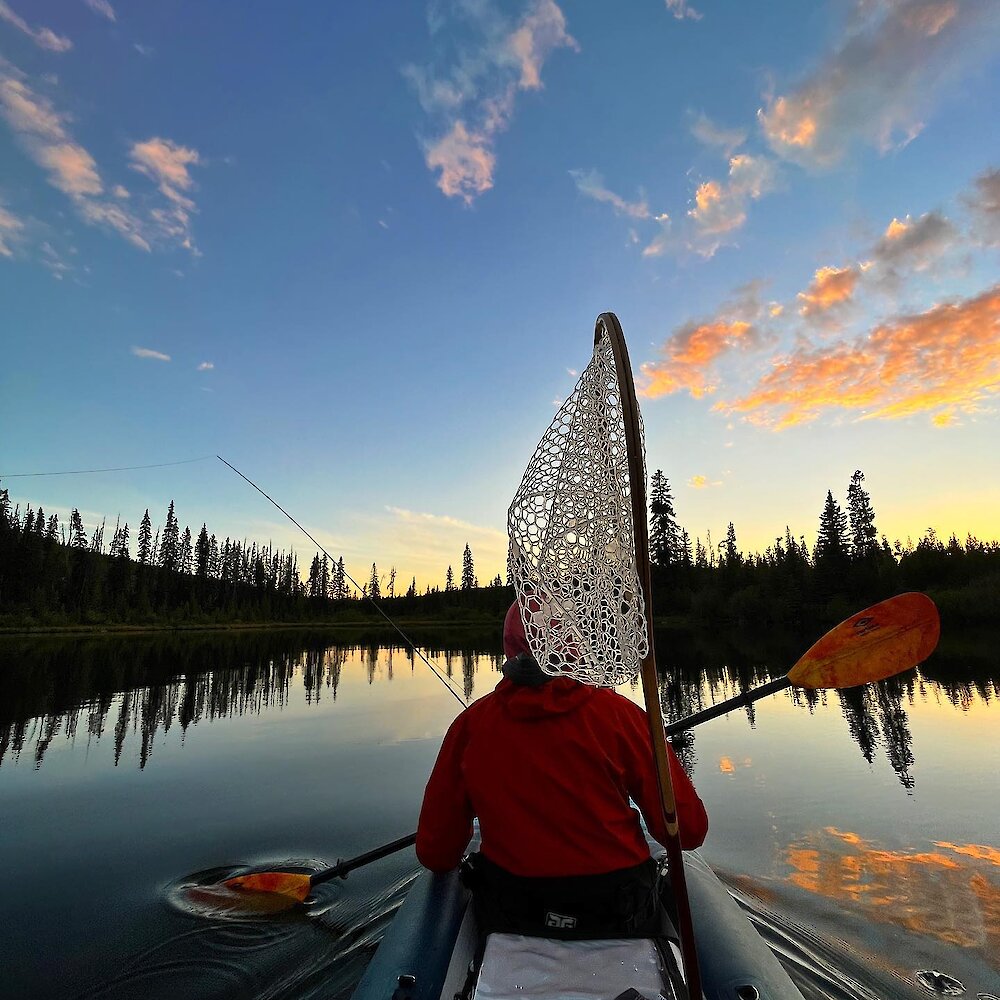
<point>619,904</point>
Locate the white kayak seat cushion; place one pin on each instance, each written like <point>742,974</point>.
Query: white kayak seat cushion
<point>516,967</point>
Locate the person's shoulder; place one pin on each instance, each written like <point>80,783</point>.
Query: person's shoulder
<point>609,700</point>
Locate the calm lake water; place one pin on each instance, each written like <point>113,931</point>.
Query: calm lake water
<point>861,830</point>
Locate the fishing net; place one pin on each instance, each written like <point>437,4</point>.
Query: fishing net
<point>572,547</point>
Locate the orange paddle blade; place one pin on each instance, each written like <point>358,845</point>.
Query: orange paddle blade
<point>282,883</point>
<point>876,643</point>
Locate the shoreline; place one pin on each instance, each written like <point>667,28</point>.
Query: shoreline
<point>14,631</point>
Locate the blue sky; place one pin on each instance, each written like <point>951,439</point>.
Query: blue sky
<point>358,249</point>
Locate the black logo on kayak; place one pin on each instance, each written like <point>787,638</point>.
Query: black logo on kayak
<point>559,921</point>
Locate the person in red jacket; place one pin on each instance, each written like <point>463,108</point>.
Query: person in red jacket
<point>551,767</point>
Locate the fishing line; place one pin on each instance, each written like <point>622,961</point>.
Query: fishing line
<point>441,677</point>
<point>85,472</point>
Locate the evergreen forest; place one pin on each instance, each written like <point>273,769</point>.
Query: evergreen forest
<point>55,575</point>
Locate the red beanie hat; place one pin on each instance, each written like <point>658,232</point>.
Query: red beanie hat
<point>514,639</point>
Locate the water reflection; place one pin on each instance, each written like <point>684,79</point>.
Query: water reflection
<point>141,686</point>
<point>952,893</point>
<point>73,688</point>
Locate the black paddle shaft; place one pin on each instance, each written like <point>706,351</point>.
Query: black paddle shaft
<point>342,868</point>
<point>725,707</point>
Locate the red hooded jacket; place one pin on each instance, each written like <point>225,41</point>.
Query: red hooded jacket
<point>550,771</point>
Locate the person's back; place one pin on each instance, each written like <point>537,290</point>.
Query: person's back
<point>549,766</point>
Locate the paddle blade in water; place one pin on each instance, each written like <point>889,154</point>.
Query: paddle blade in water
<point>289,884</point>
<point>876,643</point>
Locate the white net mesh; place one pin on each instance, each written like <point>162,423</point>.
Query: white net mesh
<point>572,545</point>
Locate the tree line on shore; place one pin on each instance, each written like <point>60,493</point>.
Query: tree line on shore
<point>53,574</point>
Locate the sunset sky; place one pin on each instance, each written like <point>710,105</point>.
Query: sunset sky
<point>358,249</point>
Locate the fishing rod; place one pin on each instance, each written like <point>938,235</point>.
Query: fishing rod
<point>409,642</point>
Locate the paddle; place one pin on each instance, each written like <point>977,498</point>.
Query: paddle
<point>879,642</point>
<point>873,644</point>
<point>298,886</point>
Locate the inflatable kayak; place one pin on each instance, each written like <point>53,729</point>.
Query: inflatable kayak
<point>433,951</point>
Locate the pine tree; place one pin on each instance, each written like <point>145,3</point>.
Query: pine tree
<point>374,590</point>
<point>411,591</point>
<point>468,574</point>
<point>663,532</point>
<point>392,582</point>
<point>314,571</point>
<point>202,552</point>
<point>324,577</point>
<point>864,536</point>
<point>170,542</point>
<point>339,585</point>
<point>186,557</point>
<point>145,541</point>
<point>449,580</point>
<point>40,522</point>
<point>700,558</point>
<point>685,549</point>
<point>123,546</point>
<point>52,531</point>
<point>831,543</point>
<point>77,535</point>
<point>730,553</point>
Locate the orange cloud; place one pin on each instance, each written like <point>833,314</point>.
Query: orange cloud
<point>956,900</point>
<point>465,160</point>
<point>878,85</point>
<point>945,359</point>
<point>689,354</point>
<point>831,286</point>
<point>542,30</point>
<point>473,104</point>
<point>720,208</point>
<point>44,133</point>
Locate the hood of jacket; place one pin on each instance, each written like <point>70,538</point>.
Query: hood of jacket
<point>558,697</point>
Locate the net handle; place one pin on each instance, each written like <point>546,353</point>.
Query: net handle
<point>608,325</point>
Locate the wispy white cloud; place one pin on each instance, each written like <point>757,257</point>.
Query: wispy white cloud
<point>44,38</point>
<point>984,204</point>
<point>206,366</point>
<point>881,81</point>
<point>682,10</point>
<point>591,184</point>
<point>148,352</point>
<point>11,230</point>
<point>472,102</point>
<point>54,262</point>
<point>103,8</point>
<point>708,133</point>
<point>44,133</point>
<point>166,164</point>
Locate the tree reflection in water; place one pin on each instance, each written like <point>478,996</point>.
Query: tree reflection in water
<point>65,687</point>
<point>62,687</point>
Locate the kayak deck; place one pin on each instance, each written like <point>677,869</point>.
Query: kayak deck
<point>432,942</point>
